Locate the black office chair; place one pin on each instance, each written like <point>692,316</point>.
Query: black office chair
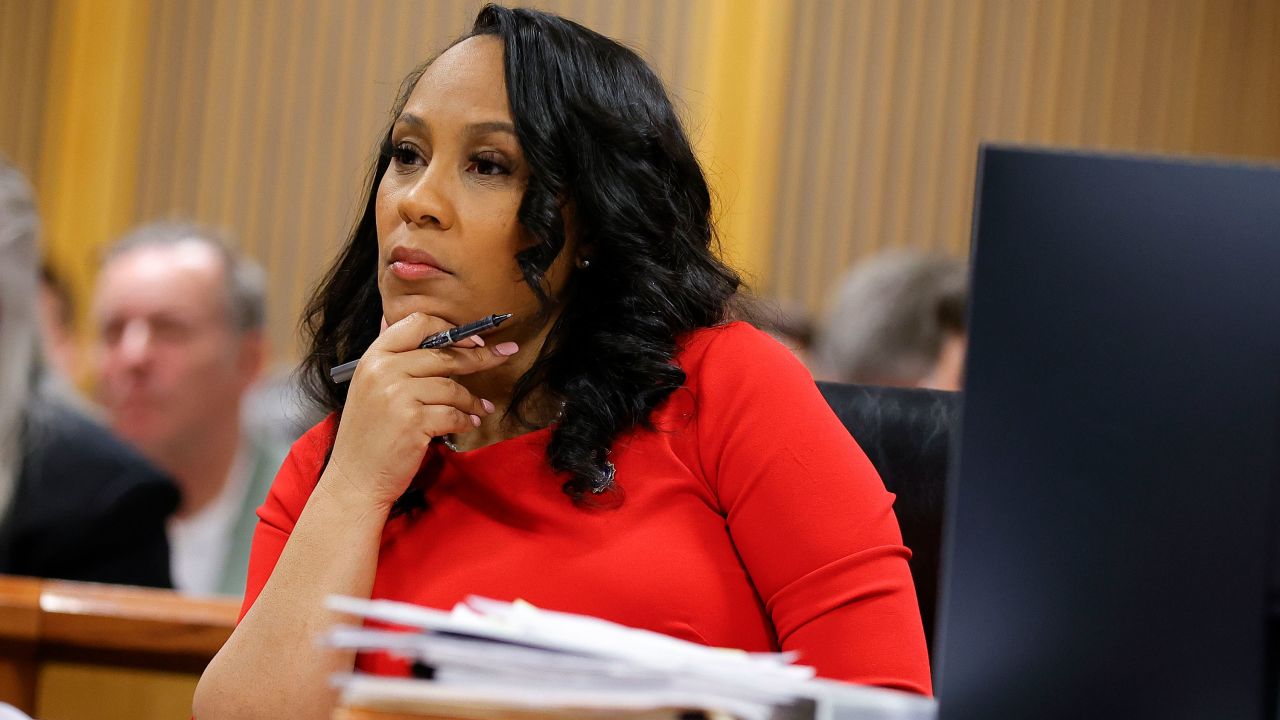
<point>907,435</point>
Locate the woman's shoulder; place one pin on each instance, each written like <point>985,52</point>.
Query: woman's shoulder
<point>307,456</point>
<point>298,475</point>
<point>737,346</point>
<point>316,441</point>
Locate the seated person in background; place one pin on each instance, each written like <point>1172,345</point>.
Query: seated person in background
<point>75,503</point>
<point>179,342</point>
<point>277,411</point>
<point>897,319</point>
<point>619,448</point>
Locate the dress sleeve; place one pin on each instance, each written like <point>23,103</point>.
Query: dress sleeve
<point>808,514</point>
<point>288,496</point>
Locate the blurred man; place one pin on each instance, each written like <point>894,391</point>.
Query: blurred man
<point>180,341</point>
<point>75,502</point>
<point>897,319</point>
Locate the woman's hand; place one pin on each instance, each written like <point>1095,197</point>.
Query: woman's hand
<point>400,398</point>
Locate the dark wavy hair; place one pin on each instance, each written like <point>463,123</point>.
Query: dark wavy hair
<point>600,135</point>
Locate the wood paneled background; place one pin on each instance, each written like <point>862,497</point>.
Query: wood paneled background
<point>891,99</point>
<point>24,56</point>
<point>830,128</point>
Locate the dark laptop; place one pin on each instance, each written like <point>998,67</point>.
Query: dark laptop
<point>1111,539</point>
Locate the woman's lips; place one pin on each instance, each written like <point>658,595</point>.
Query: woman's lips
<point>415,271</point>
<point>411,264</point>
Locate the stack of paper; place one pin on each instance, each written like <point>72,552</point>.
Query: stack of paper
<point>490,659</point>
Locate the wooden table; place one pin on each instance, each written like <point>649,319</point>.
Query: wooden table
<point>369,714</point>
<point>83,651</point>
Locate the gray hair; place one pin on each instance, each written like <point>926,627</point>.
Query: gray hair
<point>890,316</point>
<point>19,343</point>
<point>245,283</point>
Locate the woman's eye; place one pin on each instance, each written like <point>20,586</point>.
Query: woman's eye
<point>487,165</point>
<point>405,155</point>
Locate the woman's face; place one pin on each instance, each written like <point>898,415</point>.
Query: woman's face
<point>446,207</point>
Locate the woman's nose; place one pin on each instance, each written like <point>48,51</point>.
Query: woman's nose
<point>427,202</point>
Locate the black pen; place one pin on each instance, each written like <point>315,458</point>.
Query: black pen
<point>342,373</point>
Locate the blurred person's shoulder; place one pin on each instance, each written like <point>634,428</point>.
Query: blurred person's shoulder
<point>74,466</point>
<point>87,506</point>
<point>276,410</point>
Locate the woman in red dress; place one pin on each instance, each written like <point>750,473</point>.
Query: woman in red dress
<point>619,448</point>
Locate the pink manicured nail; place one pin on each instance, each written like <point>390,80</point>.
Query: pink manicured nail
<point>479,341</point>
<point>506,348</point>
<point>488,406</point>
<point>475,420</point>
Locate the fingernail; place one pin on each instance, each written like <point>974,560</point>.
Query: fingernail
<point>475,420</point>
<point>479,341</point>
<point>488,406</point>
<point>506,348</point>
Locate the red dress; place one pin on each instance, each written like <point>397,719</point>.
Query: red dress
<point>750,520</point>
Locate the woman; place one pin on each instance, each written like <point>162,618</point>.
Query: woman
<point>616,449</point>
<point>75,503</point>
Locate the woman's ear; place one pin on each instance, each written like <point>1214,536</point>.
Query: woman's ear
<point>569,216</point>
<point>572,248</point>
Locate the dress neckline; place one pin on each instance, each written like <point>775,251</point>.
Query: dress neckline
<point>527,438</point>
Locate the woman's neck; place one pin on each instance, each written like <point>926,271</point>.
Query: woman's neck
<point>497,386</point>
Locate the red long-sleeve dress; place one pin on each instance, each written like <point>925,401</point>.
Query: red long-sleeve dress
<point>750,520</point>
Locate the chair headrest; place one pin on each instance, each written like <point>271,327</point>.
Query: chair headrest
<point>906,433</point>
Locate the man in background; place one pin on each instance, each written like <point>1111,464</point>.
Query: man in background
<point>75,502</point>
<point>897,319</point>
<point>179,342</point>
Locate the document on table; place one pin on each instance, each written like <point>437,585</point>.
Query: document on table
<point>489,657</point>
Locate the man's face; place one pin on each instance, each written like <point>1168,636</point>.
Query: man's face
<point>169,361</point>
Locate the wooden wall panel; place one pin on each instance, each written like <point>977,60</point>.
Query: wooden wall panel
<point>91,130</point>
<point>262,117</point>
<point>24,45</point>
<point>1167,76</point>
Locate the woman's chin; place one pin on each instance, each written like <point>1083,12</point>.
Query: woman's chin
<point>400,307</point>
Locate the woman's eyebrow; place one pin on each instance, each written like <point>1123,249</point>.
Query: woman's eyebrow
<point>480,128</point>
<point>412,120</point>
<point>500,126</point>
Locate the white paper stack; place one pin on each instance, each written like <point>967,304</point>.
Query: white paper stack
<point>495,659</point>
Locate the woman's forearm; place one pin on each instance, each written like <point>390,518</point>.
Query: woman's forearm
<point>272,666</point>
<point>399,399</point>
